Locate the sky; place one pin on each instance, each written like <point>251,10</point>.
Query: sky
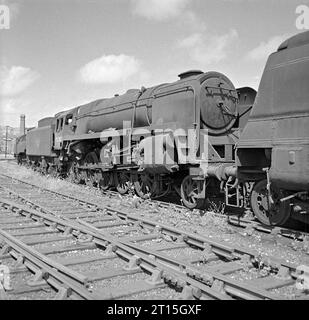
<point>57,55</point>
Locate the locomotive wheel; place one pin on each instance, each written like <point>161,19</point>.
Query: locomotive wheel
<point>73,175</point>
<point>52,171</point>
<point>78,177</point>
<point>189,193</point>
<point>103,180</point>
<point>91,158</point>
<point>19,159</point>
<point>83,176</point>
<point>272,214</point>
<point>143,185</point>
<point>88,176</point>
<point>89,179</point>
<point>123,181</point>
<point>34,166</point>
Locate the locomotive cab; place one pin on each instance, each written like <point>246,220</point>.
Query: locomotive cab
<point>65,126</point>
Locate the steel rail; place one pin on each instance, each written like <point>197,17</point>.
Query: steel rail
<point>63,269</point>
<point>122,249</point>
<point>234,221</point>
<point>230,286</point>
<point>142,260</point>
<point>48,270</point>
<point>282,231</point>
<point>192,239</point>
<point>227,252</point>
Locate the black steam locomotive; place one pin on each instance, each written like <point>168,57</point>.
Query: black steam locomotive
<point>197,136</point>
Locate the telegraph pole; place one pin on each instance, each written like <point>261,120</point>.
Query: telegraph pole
<point>6,140</point>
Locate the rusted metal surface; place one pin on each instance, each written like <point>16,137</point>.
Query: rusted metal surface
<point>280,115</point>
<point>39,141</point>
<point>274,145</point>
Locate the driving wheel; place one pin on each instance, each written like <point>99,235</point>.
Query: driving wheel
<point>123,182</point>
<point>267,207</point>
<point>143,185</point>
<point>190,189</point>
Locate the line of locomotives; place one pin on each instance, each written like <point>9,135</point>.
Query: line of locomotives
<point>212,142</point>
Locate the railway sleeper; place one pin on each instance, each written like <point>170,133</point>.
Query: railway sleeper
<point>228,287</point>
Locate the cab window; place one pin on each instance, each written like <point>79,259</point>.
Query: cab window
<point>69,119</point>
<point>59,124</point>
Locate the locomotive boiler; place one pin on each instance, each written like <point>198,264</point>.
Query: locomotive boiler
<point>205,99</point>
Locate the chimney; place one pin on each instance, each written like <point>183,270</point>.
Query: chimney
<point>190,73</point>
<point>22,127</point>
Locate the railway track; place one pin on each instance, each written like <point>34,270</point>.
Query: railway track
<point>234,220</point>
<point>211,269</point>
<point>65,256</point>
<point>250,225</point>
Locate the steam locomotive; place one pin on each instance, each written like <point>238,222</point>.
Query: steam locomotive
<point>198,136</point>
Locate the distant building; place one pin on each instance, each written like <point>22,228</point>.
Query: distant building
<point>12,134</point>
<point>8,136</point>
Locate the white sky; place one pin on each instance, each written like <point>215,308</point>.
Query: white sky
<point>60,54</point>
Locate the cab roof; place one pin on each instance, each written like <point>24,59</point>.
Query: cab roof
<point>64,113</point>
<point>298,40</point>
